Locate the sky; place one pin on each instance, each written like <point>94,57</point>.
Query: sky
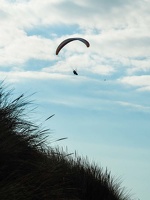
<point>105,110</point>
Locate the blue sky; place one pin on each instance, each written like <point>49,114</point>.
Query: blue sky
<point>106,120</point>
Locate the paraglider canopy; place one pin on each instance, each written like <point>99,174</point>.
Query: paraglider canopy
<point>62,44</point>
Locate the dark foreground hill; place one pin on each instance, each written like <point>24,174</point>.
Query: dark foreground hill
<point>30,170</point>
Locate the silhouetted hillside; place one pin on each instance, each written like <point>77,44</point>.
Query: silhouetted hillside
<point>29,170</point>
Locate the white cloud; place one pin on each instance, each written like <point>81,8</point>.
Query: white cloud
<point>83,63</point>
<point>98,13</point>
<point>141,82</point>
<point>115,30</point>
<point>18,76</point>
<point>134,106</point>
<point>20,49</point>
<point>138,65</point>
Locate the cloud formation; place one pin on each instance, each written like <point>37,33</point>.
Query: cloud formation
<point>118,33</point>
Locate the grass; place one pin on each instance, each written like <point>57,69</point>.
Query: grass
<point>31,170</point>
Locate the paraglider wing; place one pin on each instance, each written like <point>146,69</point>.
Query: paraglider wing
<point>62,44</point>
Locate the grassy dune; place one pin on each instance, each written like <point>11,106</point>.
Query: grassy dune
<point>31,170</point>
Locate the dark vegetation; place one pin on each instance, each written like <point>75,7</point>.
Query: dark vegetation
<point>31,170</point>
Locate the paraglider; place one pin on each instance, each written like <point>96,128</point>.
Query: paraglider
<point>66,41</point>
<point>75,72</point>
<point>62,44</point>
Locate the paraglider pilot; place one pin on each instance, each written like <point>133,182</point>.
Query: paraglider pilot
<point>75,72</point>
